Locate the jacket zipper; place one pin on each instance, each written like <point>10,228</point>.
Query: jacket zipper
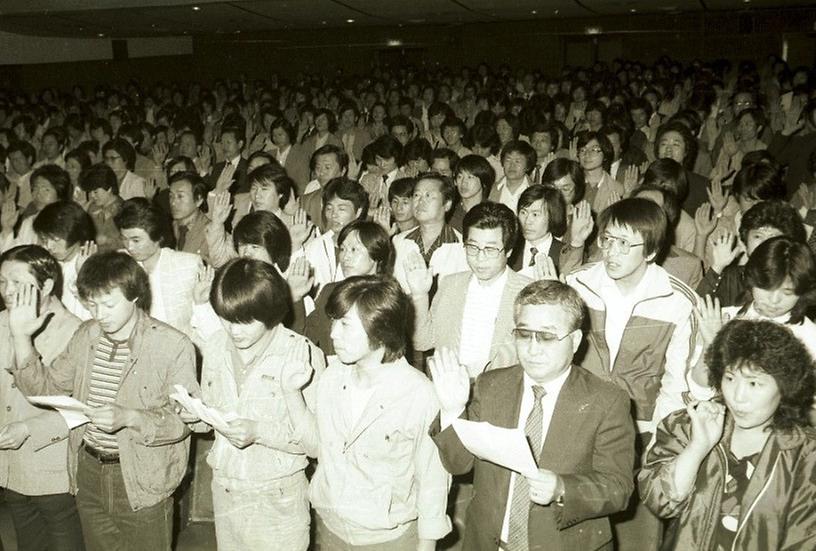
<point>753,503</point>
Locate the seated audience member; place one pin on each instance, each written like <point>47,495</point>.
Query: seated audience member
<point>453,132</point>
<point>49,184</point>
<point>120,156</point>
<point>289,154</point>
<point>682,264</point>
<point>328,162</point>
<point>231,173</point>
<point>125,465</point>
<point>444,161</point>
<point>473,178</point>
<point>67,232</point>
<point>395,498</point>
<point>353,138</point>
<point>77,162</point>
<point>543,138</point>
<point>173,274</point>
<point>401,128</point>
<point>542,215</point>
<point>104,203</point>
<point>675,141</point>
<point>669,175</point>
<point>53,148</point>
<point>485,143</point>
<point>260,491</point>
<point>472,311</point>
<point>188,193</point>
<point>584,470</point>
<point>388,156</point>
<point>400,202</point>
<point>33,441</point>
<point>518,158</point>
<point>595,155</point>
<point>416,158</point>
<point>325,126</point>
<point>439,245</point>
<point>725,277</point>
<point>20,156</point>
<point>736,472</point>
<point>343,201</point>
<point>364,248</point>
<point>642,332</point>
<point>566,176</point>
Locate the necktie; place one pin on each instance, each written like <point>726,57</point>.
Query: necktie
<point>537,175</point>
<point>182,238</point>
<point>533,253</point>
<point>520,502</point>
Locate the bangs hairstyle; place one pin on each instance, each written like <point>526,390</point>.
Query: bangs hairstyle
<point>552,200</point>
<point>139,213</point>
<point>104,272</point>
<point>769,347</point>
<point>561,167</point>
<point>638,215</point>
<point>477,166</point>
<point>384,310</point>
<point>246,290</point>
<point>376,241</point>
<point>773,214</point>
<point>489,215</point>
<point>555,293</point>
<point>266,230</point>
<point>777,259</point>
<point>670,175</point>
<point>608,152</point>
<point>347,190</point>
<point>65,220</point>
<point>275,175</point>
<point>40,264</point>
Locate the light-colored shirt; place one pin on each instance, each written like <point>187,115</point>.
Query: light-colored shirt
<point>508,197</point>
<point>552,389</point>
<point>478,322</point>
<point>542,247</point>
<point>70,295</point>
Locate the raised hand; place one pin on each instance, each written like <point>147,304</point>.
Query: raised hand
<point>160,152</point>
<point>451,381</point>
<point>204,279</point>
<point>582,224</point>
<point>382,216</point>
<point>297,371</point>
<point>150,187</point>
<point>300,278</point>
<point>219,206</point>
<point>707,421</point>
<point>709,317</point>
<point>203,163</point>
<point>729,144</point>
<point>724,250</point>
<point>631,179</point>
<point>717,197</point>
<point>226,178</point>
<point>86,250</point>
<point>573,149</point>
<point>24,316</point>
<point>545,267</point>
<point>420,279</point>
<point>547,160</point>
<point>704,220</point>
<point>300,229</point>
<point>8,216</point>
<point>613,198</point>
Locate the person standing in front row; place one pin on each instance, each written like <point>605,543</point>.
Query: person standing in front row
<point>126,463</point>
<point>578,426</point>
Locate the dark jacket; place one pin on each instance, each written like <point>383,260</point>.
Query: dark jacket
<point>589,443</point>
<point>779,504</point>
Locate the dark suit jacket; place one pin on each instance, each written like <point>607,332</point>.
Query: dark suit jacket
<point>590,444</point>
<point>517,256</point>
<point>240,180</point>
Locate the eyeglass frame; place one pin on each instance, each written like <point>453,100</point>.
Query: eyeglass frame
<point>489,252</point>
<point>536,336</point>
<point>624,247</point>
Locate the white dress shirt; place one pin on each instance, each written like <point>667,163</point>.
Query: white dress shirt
<point>479,322</point>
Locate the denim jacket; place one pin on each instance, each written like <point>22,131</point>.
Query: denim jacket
<point>153,458</point>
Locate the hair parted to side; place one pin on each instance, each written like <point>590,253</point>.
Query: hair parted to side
<point>246,290</point>
<point>552,292</point>
<point>104,272</point>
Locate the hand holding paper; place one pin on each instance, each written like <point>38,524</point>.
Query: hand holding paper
<point>505,447</point>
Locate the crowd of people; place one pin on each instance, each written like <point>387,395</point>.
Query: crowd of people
<point>618,260</point>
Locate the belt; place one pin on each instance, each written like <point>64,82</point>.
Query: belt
<point>102,457</point>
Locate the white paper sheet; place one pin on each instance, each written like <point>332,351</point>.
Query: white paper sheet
<point>504,447</point>
<point>213,417</point>
<point>71,409</point>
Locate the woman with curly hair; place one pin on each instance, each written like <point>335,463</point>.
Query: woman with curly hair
<point>737,472</point>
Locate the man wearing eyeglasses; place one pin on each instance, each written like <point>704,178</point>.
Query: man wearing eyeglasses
<point>642,331</point>
<point>472,313</point>
<point>579,429</point>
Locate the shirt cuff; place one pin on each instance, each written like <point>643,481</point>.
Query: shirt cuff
<point>433,528</point>
<point>446,419</point>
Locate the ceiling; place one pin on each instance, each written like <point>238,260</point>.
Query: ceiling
<point>134,18</point>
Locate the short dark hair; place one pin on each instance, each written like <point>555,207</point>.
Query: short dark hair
<point>760,181</point>
<point>446,187</point>
<point>104,272</point>
<point>40,263</point>
<point>23,147</point>
<point>688,139</point>
<point>489,215</point>
<point>401,187</point>
<point>772,348</point>
<point>273,174</point>
<point>57,177</point>
<point>777,259</point>
<point>268,231</point>
<point>671,204</point>
<point>246,290</point>
<point>124,149</point>
<point>401,120</point>
<point>388,147</point>
<point>522,148</point>
<point>553,201</point>
<point>330,149</point>
<point>668,174</point>
<point>197,184</point>
<point>330,118</point>
<point>284,125</point>
<point>773,214</point>
<point>417,149</point>
<point>65,220</point>
<point>139,213</point>
<point>642,216</point>
<point>586,136</point>
<point>99,176</point>
<point>348,190</point>
<point>484,135</point>
<point>376,241</point>
<point>445,153</point>
<point>477,166</point>
<point>383,307</point>
<point>553,292</point>
<point>561,167</point>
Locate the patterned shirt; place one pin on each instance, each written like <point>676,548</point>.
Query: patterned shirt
<point>110,358</point>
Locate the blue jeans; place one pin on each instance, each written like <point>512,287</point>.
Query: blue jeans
<point>108,522</point>
<point>45,523</point>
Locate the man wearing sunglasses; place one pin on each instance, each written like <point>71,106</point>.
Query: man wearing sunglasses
<point>642,332</point>
<point>579,429</point>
